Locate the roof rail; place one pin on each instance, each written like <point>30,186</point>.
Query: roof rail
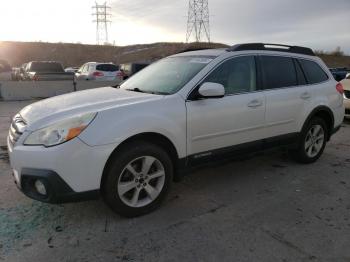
<point>190,49</point>
<point>272,47</point>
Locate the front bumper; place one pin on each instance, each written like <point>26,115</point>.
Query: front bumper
<point>57,190</point>
<point>71,171</point>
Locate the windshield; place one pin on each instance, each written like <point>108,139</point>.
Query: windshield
<point>167,76</point>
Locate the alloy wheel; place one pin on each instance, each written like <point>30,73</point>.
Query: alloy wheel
<point>141,181</point>
<point>314,140</point>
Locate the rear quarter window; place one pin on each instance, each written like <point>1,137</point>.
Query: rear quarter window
<point>313,72</point>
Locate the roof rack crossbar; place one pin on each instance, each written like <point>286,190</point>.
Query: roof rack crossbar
<point>272,47</point>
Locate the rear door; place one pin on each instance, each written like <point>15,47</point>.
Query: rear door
<point>286,95</point>
<point>219,125</point>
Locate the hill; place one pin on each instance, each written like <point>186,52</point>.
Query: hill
<point>17,53</point>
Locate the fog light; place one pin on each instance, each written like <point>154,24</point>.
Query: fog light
<point>40,187</point>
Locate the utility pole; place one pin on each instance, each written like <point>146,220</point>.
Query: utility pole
<point>102,15</point>
<point>198,20</point>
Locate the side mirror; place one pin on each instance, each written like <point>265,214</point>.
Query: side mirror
<point>211,90</point>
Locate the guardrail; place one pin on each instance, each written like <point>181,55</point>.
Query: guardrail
<point>27,90</point>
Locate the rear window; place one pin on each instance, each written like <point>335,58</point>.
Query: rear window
<point>314,73</point>
<point>47,67</point>
<point>278,72</point>
<point>107,67</point>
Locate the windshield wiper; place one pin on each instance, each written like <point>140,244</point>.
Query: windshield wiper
<point>136,89</point>
<point>159,93</point>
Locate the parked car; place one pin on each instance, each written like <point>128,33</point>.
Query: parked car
<point>339,73</point>
<point>346,85</point>
<point>5,71</point>
<point>130,69</point>
<point>129,143</point>
<point>45,71</point>
<point>98,71</point>
<point>71,69</point>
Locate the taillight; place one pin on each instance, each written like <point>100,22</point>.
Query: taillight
<point>340,88</point>
<point>97,74</point>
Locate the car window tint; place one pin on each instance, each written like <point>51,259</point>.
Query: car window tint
<point>236,75</point>
<point>314,73</point>
<point>278,72</point>
<point>107,67</point>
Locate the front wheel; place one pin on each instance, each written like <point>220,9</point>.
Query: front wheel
<point>137,179</point>
<point>312,141</point>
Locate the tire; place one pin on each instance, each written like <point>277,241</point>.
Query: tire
<point>312,141</point>
<point>138,178</point>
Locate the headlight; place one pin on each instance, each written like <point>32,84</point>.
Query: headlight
<point>60,132</point>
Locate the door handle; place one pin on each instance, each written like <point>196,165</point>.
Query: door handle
<point>305,95</point>
<point>255,103</point>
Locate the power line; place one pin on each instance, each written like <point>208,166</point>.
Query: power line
<point>198,20</point>
<point>102,15</point>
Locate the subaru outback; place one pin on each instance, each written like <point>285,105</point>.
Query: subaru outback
<point>129,143</point>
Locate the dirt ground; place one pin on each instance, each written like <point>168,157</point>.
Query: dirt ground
<point>267,208</point>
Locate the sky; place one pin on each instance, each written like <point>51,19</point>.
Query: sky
<point>319,24</point>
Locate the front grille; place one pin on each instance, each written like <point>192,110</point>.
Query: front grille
<point>347,94</point>
<point>16,129</point>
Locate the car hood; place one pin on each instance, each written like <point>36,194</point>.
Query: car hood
<point>54,109</point>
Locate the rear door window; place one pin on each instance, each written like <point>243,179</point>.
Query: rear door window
<point>278,72</point>
<point>314,73</point>
<point>107,67</point>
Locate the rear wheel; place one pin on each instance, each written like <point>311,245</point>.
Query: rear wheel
<point>138,179</point>
<point>312,141</point>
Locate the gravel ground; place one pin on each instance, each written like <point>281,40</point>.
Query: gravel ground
<point>267,208</point>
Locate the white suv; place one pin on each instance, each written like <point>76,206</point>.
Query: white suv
<point>98,72</point>
<point>129,143</point>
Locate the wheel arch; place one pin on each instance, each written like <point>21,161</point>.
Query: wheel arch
<point>152,137</point>
<point>326,114</point>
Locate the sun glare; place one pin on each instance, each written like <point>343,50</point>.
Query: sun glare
<point>40,20</point>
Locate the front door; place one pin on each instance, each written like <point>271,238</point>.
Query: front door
<point>236,119</point>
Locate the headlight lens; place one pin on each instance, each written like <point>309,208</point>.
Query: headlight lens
<point>60,132</point>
